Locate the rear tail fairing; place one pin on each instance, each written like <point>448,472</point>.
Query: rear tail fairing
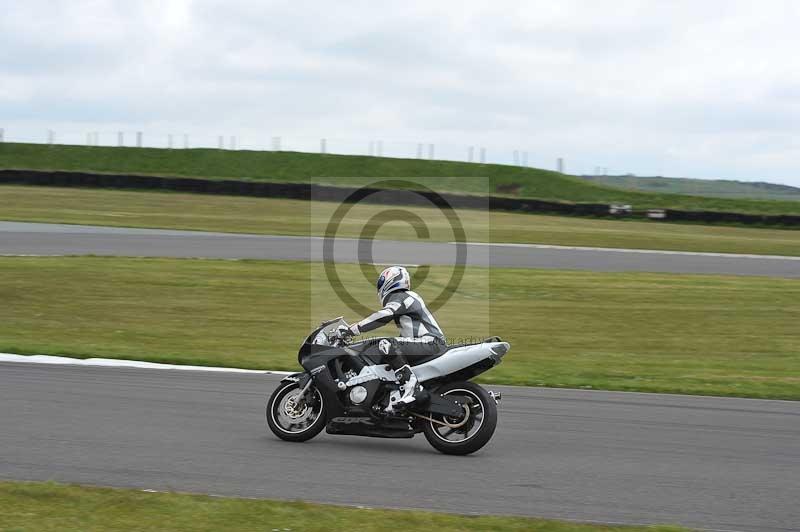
<point>462,363</point>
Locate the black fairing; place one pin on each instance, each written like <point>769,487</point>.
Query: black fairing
<point>327,365</point>
<point>370,426</point>
<point>318,361</point>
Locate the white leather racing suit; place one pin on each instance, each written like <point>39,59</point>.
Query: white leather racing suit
<point>420,334</point>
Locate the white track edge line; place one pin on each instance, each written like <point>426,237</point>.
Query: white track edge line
<point>632,250</point>
<point>108,362</point>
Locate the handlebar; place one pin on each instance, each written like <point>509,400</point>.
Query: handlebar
<point>340,336</point>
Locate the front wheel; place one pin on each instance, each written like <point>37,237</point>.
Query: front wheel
<point>291,419</point>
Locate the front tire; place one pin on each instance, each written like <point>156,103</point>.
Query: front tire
<point>292,423</point>
<point>472,432</point>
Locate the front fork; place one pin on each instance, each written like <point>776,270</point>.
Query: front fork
<point>303,381</point>
<point>301,397</point>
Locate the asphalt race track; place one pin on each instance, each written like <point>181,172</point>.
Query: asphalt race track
<point>717,464</point>
<point>55,239</point>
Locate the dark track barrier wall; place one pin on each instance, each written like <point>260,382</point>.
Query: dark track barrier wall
<point>733,217</point>
<point>303,191</point>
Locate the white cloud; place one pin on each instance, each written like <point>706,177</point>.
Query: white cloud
<point>704,89</point>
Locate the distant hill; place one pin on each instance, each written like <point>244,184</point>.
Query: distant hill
<point>717,188</point>
<point>352,170</point>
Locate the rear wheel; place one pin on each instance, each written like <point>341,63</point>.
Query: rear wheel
<point>467,433</point>
<point>292,419</point>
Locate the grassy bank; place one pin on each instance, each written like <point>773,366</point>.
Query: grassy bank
<point>645,332</point>
<point>42,507</point>
<point>277,216</point>
<point>358,170</point>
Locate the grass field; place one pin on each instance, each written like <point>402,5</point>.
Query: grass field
<point>291,217</point>
<point>357,170</point>
<point>43,507</point>
<point>645,332</point>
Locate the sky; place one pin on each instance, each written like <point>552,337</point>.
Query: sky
<point>705,89</point>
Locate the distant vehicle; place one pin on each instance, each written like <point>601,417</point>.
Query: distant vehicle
<point>349,389</point>
<point>620,210</point>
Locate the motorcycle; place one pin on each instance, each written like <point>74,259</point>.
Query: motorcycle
<point>347,388</point>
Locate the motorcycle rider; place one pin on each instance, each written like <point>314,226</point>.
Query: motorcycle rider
<point>420,334</point>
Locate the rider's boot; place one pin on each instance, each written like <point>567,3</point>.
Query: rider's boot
<point>410,388</point>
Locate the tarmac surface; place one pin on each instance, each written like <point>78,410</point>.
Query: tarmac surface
<point>711,463</point>
<point>18,238</point>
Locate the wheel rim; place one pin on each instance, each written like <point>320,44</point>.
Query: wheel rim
<point>291,419</point>
<point>475,412</point>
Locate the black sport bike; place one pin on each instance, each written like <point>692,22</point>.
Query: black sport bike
<point>347,388</point>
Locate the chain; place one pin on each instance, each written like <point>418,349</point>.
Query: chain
<point>445,423</point>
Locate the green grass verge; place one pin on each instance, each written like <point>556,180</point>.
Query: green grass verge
<point>358,170</point>
<point>291,217</point>
<point>47,506</point>
<point>695,334</point>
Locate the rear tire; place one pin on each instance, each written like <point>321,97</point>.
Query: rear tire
<point>287,422</point>
<point>472,435</point>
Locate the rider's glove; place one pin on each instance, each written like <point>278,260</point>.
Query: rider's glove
<point>345,333</point>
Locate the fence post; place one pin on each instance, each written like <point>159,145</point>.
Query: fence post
<point>430,151</point>
<point>419,151</point>
<point>323,148</point>
<point>185,141</point>
<point>483,155</point>
<point>232,142</point>
<point>138,139</point>
<point>120,139</point>
<point>276,144</point>
<point>525,159</point>
<point>516,157</point>
<point>221,142</point>
<point>470,154</point>
<point>379,147</point>
<point>169,141</point>
<point>51,137</point>
<point>560,165</point>
<point>2,135</point>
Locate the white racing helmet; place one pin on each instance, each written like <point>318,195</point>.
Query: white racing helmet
<point>391,279</point>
